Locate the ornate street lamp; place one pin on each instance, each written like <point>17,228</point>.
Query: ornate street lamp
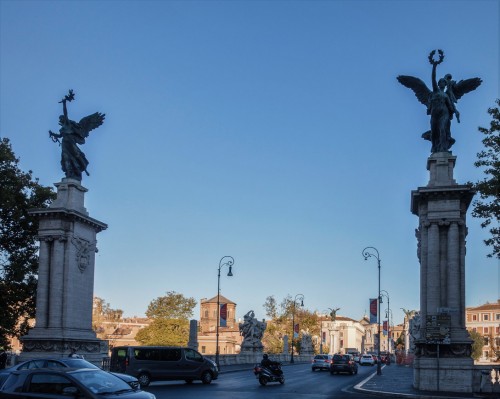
<point>367,254</point>
<point>229,262</point>
<point>386,294</point>
<point>293,319</point>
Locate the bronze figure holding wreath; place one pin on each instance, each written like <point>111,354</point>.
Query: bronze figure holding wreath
<point>73,160</point>
<point>440,102</point>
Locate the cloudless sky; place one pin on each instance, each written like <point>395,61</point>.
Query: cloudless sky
<point>272,131</point>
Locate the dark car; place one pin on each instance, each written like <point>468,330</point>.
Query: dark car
<point>343,364</point>
<point>81,383</point>
<point>65,362</point>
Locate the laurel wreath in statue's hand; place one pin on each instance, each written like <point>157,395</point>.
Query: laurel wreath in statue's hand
<point>431,57</point>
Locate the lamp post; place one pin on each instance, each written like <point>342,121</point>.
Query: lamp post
<point>386,294</point>
<point>229,262</point>
<point>367,254</point>
<point>293,319</point>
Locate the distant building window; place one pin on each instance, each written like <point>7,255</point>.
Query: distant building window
<point>497,342</point>
<point>485,317</point>
<point>497,316</point>
<point>486,330</point>
<point>474,317</point>
<point>486,341</point>
<point>203,349</point>
<point>206,313</point>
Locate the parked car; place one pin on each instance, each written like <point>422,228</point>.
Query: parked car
<point>343,364</point>
<point>64,362</point>
<point>76,383</point>
<point>163,363</point>
<point>366,360</point>
<point>321,362</point>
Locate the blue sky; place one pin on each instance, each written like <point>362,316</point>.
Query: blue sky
<point>271,131</point>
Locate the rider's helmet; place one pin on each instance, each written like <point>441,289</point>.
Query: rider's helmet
<point>265,356</point>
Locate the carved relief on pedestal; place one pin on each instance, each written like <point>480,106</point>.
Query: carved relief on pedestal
<point>83,249</point>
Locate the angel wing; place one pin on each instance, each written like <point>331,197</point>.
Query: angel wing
<point>465,86</point>
<point>90,122</point>
<point>418,86</point>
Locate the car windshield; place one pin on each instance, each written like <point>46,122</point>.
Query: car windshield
<point>100,382</point>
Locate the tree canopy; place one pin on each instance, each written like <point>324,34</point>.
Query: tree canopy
<point>281,323</point>
<point>487,207</point>
<point>170,325</point>
<point>19,192</point>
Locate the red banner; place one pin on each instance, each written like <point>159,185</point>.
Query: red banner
<point>223,315</point>
<point>373,310</point>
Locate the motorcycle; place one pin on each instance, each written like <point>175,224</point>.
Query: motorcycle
<point>269,374</point>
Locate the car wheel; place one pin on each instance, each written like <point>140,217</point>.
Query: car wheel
<point>313,369</point>
<point>282,379</point>
<point>262,380</point>
<point>144,379</point>
<point>206,377</point>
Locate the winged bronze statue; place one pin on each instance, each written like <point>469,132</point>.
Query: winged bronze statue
<point>73,160</point>
<point>440,102</point>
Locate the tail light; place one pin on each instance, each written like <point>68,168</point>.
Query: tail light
<point>126,361</point>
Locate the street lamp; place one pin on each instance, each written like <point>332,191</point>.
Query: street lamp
<point>293,319</point>
<point>386,294</point>
<point>229,262</point>
<point>367,254</point>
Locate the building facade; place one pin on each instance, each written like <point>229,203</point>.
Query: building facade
<point>229,334</point>
<point>485,319</point>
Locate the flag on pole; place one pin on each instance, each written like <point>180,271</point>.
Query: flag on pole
<point>296,330</point>
<point>373,310</point>
<point>385,327</point>
<point>223,315</point>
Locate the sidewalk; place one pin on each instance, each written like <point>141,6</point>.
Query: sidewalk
<point>397,381</point>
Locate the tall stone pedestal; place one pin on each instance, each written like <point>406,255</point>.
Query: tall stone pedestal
<point>66,279</point>
<point>443,347</point>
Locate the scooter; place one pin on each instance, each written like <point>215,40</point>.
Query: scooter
<point>269,374</point>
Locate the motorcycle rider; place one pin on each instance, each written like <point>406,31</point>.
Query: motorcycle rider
<point>270,364</point>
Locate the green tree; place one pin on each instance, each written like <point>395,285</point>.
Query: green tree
<point>19,192</point>
<point>487,207</point>
<point>477,344</point>
<point>170,320</point>
<point>104,316</point>
<point>281,323</point>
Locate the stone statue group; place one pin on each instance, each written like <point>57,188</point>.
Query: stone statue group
<point>440,103</point>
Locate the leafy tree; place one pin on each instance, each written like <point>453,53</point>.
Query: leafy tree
<point>281,323</point>
<point>488,206</point>
<point>19,192</point>
<point>170,325</point>
<point>477,344</point>
<point>103,314</point>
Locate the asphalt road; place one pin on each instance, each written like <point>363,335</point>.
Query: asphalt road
<point>300,383</point>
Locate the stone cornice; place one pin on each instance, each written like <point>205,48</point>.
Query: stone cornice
<point>68,214</point>
<point>463,192</point>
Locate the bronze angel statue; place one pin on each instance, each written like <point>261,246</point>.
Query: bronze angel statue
<point>73,160</point>
<point>440,102</point>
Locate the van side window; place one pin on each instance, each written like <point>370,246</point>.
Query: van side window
<point>193,355</point>
<point>170,354</point>
<point>147,354</point>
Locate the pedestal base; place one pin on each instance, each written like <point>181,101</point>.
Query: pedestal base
<point>93,350</point>
<point>445,375</point>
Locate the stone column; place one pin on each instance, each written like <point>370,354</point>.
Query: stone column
<point>67,237</point>
<point>443,349</point>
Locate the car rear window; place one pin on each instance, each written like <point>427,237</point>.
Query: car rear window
<point>337,357</point>
<point>320,357</point>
